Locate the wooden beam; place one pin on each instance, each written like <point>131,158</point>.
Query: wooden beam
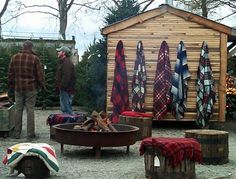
<point>222,82</point>
<point>132,21</point>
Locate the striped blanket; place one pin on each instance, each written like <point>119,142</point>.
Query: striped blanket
<point>205,84</point>
<point>42,150</point>
<point>179,87</point>
<point>139,80</point>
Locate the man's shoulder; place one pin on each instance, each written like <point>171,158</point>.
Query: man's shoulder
<point>25,55</point>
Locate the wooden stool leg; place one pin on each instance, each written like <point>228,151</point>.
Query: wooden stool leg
<point>62,148</point>
<point>97,152</point>
<point>127,149</point>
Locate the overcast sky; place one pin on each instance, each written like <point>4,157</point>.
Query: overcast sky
<point>85,29</point>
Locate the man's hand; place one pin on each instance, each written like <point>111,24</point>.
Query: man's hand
<point>11,96</point>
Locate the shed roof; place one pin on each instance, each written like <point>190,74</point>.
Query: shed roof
<point>164,8</point>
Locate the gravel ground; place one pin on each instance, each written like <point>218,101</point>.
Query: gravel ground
<point>79,162</point>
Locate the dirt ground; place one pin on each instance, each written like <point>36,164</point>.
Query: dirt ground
<point>79,162</point>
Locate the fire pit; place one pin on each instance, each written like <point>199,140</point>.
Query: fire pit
<point>125,136</point>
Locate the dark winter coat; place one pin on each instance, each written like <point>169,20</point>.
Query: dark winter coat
<point>65,76</point>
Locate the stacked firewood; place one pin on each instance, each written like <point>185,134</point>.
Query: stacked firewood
<point>98,122</point>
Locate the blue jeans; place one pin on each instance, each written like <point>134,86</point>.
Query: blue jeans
<point>66,102</point>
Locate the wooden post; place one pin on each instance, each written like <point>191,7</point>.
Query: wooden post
<point>222,82</point>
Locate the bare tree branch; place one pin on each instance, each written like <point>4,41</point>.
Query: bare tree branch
<point>220,19</point>
<point>20,14</point>
<point>40,6</point>
<point>147,5</point>
<point>4,8</point>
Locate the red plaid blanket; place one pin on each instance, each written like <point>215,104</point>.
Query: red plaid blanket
<point>65,118</point>
<point>174,149</point>
<point>162,83</point>
<point>120,94</point>
<point>136,114</point>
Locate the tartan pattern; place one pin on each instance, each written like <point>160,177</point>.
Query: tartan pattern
<point>120,94</point>
<point>162,83</point>
<point>175,150</point>
<point>206,95</point>
<point>139,80</point>
<point>25,72</point>
<point>179,87</point>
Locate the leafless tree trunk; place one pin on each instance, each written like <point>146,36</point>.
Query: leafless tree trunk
<point>2,13</point>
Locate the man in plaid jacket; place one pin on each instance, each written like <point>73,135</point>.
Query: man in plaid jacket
<point>25,77</point>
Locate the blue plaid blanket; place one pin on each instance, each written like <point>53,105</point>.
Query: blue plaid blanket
<point>139,80</point>
<point>179,87</point>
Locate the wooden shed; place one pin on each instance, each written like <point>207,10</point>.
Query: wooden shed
<point>172,25</point>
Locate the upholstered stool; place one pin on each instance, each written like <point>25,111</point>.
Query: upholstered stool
<point>170,157</point>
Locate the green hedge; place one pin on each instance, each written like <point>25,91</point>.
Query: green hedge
<point>48,56</point>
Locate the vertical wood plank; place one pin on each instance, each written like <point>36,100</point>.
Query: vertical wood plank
<point>222,82</point>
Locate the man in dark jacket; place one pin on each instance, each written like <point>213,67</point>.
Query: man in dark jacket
<point>25,77</point>
<point>65,79</point>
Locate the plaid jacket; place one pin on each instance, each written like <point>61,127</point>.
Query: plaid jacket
<point>25,72</point>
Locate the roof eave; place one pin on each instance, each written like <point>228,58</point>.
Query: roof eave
<point>166,8</point>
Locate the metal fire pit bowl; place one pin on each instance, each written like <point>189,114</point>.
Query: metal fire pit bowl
<point>126,136</point>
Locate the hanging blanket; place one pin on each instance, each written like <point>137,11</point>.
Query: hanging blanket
<point>64,118</point>
<point>119,95</point>
<point>42,150</point>
<point>139,80</point>
<point>179,87</point>
<point>206,96</point>
<point>175,150</point>
<point>162,83</point>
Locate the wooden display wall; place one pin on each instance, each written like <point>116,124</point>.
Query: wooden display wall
<point>172,29</point>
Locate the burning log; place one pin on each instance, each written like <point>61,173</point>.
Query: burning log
<point>97,122</point>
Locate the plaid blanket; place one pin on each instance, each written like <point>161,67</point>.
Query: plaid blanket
<point>120,94</point>
<point>175,150</point>
<point>139,80</point>
<point>206,95</point>
<point>42,150</point>
<point>162,83</point>
<point>136,114</point>
<point>64,118</point>
<point>179,87</point>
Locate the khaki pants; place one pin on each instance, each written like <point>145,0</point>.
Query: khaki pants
<point>25,99</point>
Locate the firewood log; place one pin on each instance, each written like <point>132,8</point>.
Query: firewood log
<point>87,121</point>
<point>103,115</point>
<point>112,128</point>
<point>97,118</point>
<point>87,127</point>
